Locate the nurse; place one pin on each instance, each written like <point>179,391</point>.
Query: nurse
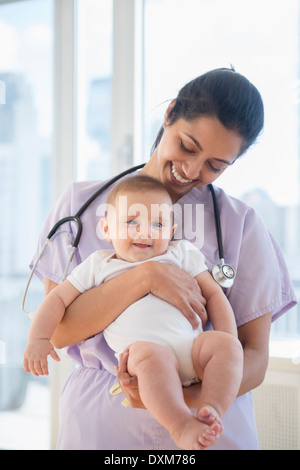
<point>211,123</point>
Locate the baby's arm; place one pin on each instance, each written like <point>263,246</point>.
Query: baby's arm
<point>218,308</point>
<point>47,317</point>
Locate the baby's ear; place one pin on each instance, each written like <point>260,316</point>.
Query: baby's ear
<point>104,228</point>
<point>173,230</point>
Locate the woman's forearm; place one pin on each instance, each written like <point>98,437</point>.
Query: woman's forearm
<point>97,308</point>
<point>254,337</point>
<point>254,371</point>
<point>94,310</point>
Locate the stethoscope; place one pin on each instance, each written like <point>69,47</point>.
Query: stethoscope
<point>223,273</point>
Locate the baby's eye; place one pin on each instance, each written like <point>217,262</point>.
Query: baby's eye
<point>132,222</point>
<point>157,224</point>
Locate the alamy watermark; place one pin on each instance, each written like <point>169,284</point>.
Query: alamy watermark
<point>2,92</point>
<point>188,219</point>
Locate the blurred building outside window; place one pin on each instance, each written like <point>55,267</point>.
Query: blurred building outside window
<point>196,36</point>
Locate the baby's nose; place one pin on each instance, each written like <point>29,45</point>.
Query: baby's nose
<point>144,231</point>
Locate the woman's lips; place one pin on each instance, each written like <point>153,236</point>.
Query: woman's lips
<point>178,179</point>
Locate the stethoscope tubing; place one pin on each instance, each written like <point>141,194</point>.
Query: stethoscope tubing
<point>217,222</point>
<point>77,219</point>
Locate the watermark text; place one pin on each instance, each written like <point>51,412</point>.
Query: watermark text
<point>157,221</point>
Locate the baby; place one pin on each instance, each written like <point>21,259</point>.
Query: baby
<point>165,352</point>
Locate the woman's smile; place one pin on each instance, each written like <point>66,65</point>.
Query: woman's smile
<point>178,178</point>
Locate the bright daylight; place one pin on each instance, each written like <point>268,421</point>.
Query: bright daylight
<point>124,328</point>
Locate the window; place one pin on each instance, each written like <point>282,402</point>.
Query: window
<point>261,40</point>
<point>177,41</point>
<point>26,97</point>
<point>94,88</point>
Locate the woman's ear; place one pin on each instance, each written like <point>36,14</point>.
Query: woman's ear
<point>104,228</point>
<point>169,109</point>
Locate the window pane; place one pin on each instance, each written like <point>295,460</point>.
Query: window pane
<point>94,74</point>
<point>261,40</point>
<point>26,99</point>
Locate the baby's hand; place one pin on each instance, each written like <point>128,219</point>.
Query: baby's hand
<point>35,356</point>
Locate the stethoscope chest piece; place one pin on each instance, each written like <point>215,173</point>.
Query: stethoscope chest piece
<point>223,274</point>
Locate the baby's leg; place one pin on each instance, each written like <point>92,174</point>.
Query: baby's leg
<point>218,362</point>
<point>161,392</point>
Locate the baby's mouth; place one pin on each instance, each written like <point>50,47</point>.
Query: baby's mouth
<point>142,245</point>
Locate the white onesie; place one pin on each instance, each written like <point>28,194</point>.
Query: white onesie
<point>150,318</point>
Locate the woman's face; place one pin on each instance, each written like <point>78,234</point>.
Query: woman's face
<point>194,153</point>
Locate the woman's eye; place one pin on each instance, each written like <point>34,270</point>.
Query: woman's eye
<point>184,148</point>
<point>132,222</point>
<point>213,168</point>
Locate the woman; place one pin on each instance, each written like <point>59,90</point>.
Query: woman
<point>214,119</point>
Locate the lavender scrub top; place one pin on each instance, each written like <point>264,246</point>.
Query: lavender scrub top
<point>91,418</point>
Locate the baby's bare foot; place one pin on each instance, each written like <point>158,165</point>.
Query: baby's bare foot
<point>209,415</point>
<point>210,436</point>
<point>196,435</point>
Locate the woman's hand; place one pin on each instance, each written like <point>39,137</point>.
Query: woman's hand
<point>130,386</point>
<point>178,288</point>
<point>128,383</point>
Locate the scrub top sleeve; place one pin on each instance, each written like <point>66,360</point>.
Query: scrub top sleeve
<point>261,275</point>
<point>54,260</point>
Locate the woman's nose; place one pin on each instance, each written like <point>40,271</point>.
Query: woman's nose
<point>191,169</point>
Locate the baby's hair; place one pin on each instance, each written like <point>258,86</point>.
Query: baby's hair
<point>139,182</point>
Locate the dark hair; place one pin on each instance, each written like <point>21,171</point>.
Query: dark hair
<point>226,95</point>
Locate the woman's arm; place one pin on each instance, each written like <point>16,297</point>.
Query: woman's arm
<point>97,308</point>
<point>254,337</point>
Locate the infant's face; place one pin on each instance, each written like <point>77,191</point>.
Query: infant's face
<point>140,224</point>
